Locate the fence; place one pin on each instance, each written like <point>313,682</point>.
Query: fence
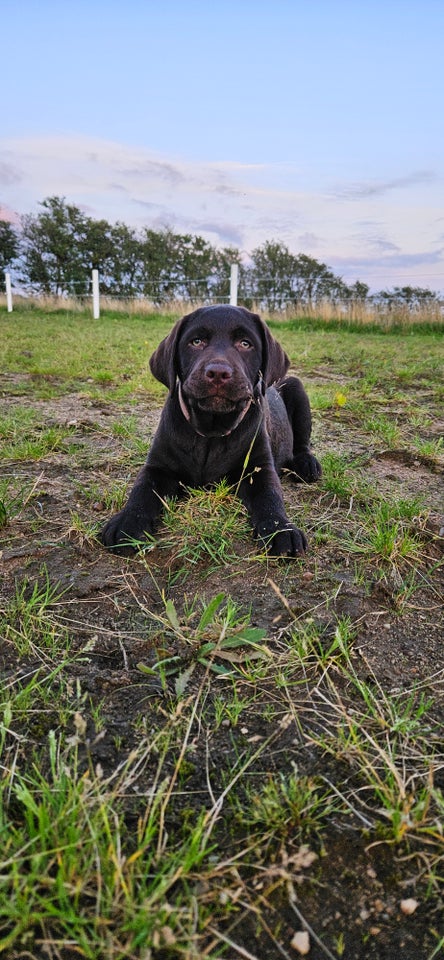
<point>273,297</point>
<point>95,290</point>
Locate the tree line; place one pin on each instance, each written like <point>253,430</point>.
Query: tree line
<point>54,252</point>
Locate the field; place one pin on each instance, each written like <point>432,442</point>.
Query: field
<point>206,753</point>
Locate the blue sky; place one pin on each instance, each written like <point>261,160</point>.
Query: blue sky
<point>317,123</point>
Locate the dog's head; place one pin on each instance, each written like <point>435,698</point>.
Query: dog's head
<point>222,357</point>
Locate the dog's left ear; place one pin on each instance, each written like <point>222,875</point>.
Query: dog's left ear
<point>163,364</point>
<point>275,362</point>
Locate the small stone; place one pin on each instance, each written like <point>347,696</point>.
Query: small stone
<point>301,942</point>
<point>409,906</point>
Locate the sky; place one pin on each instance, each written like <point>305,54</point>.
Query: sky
<point>317,123</point>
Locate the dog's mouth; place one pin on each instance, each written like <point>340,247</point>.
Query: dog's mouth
<point>214,415</point>
<point>218,404</point>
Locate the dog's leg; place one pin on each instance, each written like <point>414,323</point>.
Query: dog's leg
<point>303,464</point>
<point>261,493</point>
<point>140,515</point>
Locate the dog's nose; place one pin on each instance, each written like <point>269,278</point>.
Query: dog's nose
<point>218,372</point>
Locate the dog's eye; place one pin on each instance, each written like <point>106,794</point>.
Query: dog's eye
<point>244,344</point>
<point>197,342</point>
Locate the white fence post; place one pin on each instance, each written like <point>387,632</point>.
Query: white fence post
<point>234,283</point>
<point>96,294</point>
<point>8,292</point>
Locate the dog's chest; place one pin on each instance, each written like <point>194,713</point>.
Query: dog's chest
<point>207,461</point>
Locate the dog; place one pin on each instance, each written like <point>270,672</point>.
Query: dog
<point>231,412</point>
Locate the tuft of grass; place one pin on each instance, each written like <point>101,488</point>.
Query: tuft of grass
<point>207,525</point>
<point>14,495</point>
<point>390,533</point>
<point>337,475</point>
<point>43,442</point>
<point>430,448</point>
<point>28,622</point>
<point>84,531</point>
<point>293,804</point>
<point>72,868</point>
<point>111,496</point>
<point>384,428</point>
<point>389,740</point>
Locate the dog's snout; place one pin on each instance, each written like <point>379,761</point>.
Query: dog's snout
<point>218,372</point>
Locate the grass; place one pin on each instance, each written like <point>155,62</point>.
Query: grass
<point>14,496</point>
<point>110,356</point>
<point>206,526</point>
<point>71,864</point>
<point>77,870</point>
<point>117,356</point>
<point>392,746</point>
<point>26,621</point>
<point>202,751</point>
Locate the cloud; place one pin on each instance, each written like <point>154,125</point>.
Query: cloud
<point>378,188</point>
<point>391,228</point>
<point>421,258</point>
<point>9,174</point>
<point>374,241</point>
<point>153,170</point>
<point>225,233</point>
<point>227,190</point>
<point>309,241</point>
<point>147,204</point>
<point>394,269</point>
<point>119,187</point>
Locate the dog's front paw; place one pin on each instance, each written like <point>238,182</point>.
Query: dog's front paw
<point>125,531</point>
<point>282,539</point>
<point>305,467</point>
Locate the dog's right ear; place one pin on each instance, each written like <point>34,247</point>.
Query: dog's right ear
<point>163,363</point>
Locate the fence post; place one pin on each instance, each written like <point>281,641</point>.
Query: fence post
<point>8,292</point>
<point>234,283</point>
<point>96,294</point>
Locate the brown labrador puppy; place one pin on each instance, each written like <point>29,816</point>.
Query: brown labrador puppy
<point>231,412</point>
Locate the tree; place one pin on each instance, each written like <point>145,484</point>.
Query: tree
<point>53,257</point>
<point>159,265</point>
<point>357,292</point>
<point>115,251</point>
<point>278,279</point>
<point>126,261</point>
<point>9,249</point>
<point>412,298</point>
<point>314,282</point>
<point>204,270</point>
<point>273,268</point>
<point>196,262</point>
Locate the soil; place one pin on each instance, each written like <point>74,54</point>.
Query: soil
<point>350,897</point>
